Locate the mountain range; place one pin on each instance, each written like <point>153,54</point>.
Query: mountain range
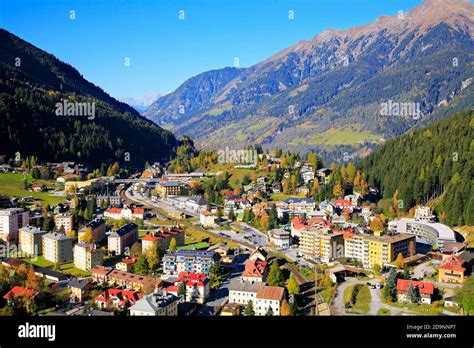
<point>142,103</point>
<point>327,93</point>
<point>34,83</point>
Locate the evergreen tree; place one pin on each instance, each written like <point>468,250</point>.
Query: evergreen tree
<point>231,215</point>
<point>249,311</point>
<point>390,289</point>
<point>273,217</point>
<point>413,294</point>
<point>182,290</point>
<point>275,276</point>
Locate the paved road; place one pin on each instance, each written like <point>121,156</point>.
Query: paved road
<point>423,269</point>
<point>242,243</point>
<point>376,302</point>
<point>220,295</point>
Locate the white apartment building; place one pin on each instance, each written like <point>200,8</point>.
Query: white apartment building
<point>57,247</point>
<point>266,300</point>
<point>11,220</point>
<point>30,240</point>
<point>86,256</point>
<point>65,221</point>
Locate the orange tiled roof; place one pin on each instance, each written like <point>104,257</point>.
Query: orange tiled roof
<point>453,263</point>
<point>254,268</point>
<point>271,293</point>
<point>423,287</point>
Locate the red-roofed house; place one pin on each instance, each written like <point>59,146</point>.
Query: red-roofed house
<point>38,187</point>
<point>161,238</point>
<point>197,286</point>
<point>315,223</point>
<point>125,213</point>
<point>425,289</point>
<point>117,298</point>
<point>343,204</point>
<point>453,270</point>
<point>126,264</point>
<point>255,270</point>
<point>19,291</point>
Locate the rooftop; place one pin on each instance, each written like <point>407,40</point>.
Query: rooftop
<point>31,230</point>
<point>237,284</point>
<point>124,229</point>
<point>56,236</point>
<point>271,293</point>
<point>154,301</point>
<point>423,287</point>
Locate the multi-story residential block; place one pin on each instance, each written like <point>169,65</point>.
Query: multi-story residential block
<point>12,219</point>
<point>159,303</point>
<point>269,299</point>
<point>266,300</point>
<point>122,238</point>
<point>188,261</point>
<point>197,287</point>
<point>97,229</point>
<point>57,247</point>
<point>280,237</point>
<point>453,270</point>
<point>241,292</point>
<point>161,238</point>
<point>321,243</point>
<point>380,250</point>
<point>86,256</point>
<point>30,240</point>
<point>170,188</point>
<point>65,221</point>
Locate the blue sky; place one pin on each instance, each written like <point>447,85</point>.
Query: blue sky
<point>164,51</point>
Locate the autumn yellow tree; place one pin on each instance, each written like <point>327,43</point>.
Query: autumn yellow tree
<point>87,236</point>
<point>173,244</point>
<point>399,262</point>
<point>285,309</point>
<point>376,225</point>
<point>285,186</point>
<point>264,222</point>
<point>315,187</point>
<point>351,171</point>
<point>33,281</point>
<point>337,190</point>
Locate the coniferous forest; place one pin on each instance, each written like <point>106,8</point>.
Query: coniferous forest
<point>32,82</point>
<point>433,165</point>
